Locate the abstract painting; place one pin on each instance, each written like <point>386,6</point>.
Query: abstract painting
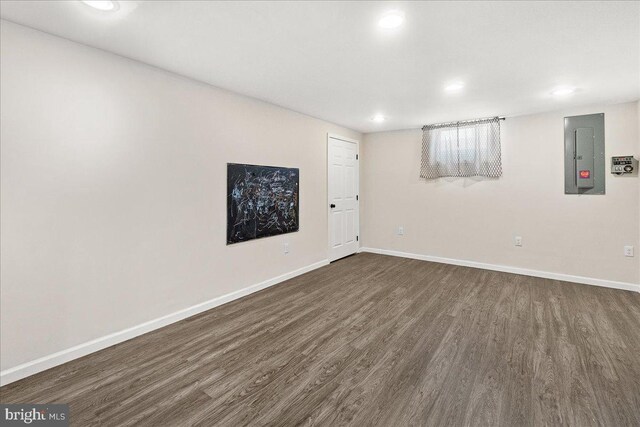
<point>262,201</point>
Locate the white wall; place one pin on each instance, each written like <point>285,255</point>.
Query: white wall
<point>477,221</point>
<point>114,192</point>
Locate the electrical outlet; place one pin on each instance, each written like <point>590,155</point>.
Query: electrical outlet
<point>286,248</point>
<point>517,240</point>
<point>628,251</point>
<point>401,231</point>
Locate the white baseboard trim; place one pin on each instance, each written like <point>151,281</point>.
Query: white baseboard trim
<point>515,270</point>
<point>26,369</point>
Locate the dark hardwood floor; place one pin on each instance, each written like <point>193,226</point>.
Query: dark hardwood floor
<point>372,340</point>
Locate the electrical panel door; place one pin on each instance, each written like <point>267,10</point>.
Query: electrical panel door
<point>584,162</point>
<point>584,157</point>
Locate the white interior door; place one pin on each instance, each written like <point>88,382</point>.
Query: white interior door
<point>344,184</point>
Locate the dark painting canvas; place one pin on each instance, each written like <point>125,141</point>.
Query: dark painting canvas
<point>262,201</point>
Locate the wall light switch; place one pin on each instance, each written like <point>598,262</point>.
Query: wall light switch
<point>286,248</point>
<point>401,231</point>
<point>628,251</point>
<point>517,240</point>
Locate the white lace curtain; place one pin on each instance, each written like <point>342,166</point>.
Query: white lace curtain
<point>462,149</point>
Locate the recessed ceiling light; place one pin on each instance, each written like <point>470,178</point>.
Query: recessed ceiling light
<point>454,87</point>
<point>392,19</point>
<point>103,5</point>
<point>378,118</point>
<point>563,91</point>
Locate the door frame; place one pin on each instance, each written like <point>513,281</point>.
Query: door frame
<point>354,141</point>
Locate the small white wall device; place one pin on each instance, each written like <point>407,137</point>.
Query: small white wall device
<point>624,165</point>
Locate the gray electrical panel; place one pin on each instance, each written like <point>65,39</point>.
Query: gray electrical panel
<point>584,162</point>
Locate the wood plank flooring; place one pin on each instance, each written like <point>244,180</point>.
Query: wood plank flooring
<point>372,340</point>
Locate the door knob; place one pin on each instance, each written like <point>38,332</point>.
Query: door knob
<point>332,206</point>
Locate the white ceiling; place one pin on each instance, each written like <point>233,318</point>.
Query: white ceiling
<point>330,60</point>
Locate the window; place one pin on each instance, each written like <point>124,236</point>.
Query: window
<point>462,149</point>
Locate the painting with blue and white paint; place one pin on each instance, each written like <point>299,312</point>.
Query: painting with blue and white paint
<point>262,201</point>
